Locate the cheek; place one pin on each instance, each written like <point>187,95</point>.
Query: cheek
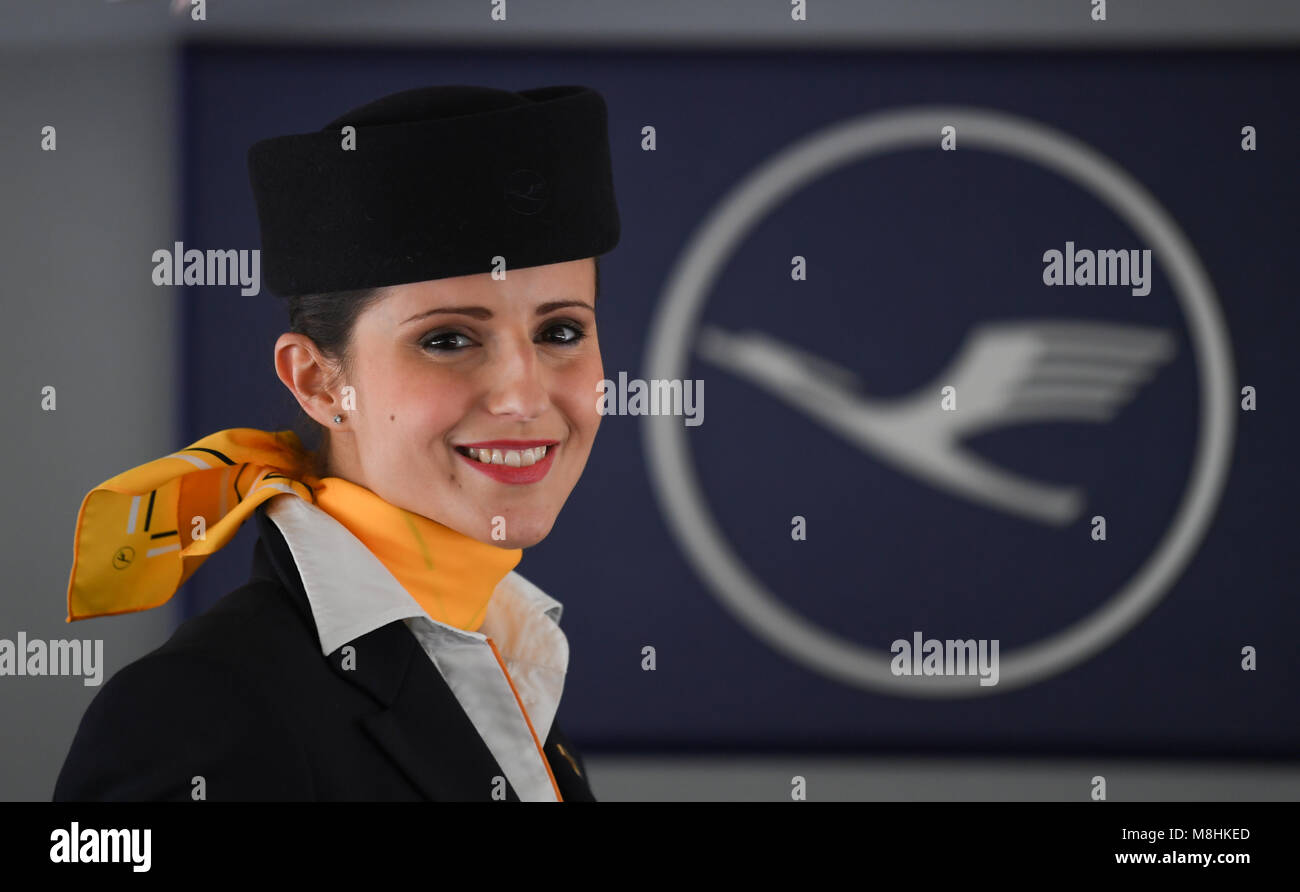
<point>579,395</point>
<point>423,405</point>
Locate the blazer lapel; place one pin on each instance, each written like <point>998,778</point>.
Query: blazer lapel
<point>419,725</point>
<point>567,766</point>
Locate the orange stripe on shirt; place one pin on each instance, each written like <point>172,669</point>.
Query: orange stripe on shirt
<point>531,731</point>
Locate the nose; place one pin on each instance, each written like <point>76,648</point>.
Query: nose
<point>516,387</point>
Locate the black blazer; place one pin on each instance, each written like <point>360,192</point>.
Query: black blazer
<point>242,697</point>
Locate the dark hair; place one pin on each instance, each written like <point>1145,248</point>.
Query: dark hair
<point>328,319</point>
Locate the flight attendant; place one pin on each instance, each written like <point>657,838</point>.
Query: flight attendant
<point>438,249</point>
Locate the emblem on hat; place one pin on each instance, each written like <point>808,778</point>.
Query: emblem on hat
<point>526,191</point>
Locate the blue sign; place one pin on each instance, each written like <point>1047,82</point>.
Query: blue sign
<point>996,454</point>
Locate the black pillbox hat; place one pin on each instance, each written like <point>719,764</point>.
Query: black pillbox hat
<point>440,181</point>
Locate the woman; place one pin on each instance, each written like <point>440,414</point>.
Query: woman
<point>438,248</point>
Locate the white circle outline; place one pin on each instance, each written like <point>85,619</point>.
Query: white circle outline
<point>676,487</point>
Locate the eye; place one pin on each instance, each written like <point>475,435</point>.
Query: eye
<point>446,341</point>
<point>574,334</point>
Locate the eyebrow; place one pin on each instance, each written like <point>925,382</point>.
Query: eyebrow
<point>485,313</point>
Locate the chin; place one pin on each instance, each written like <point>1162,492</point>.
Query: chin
<point>525,533</point>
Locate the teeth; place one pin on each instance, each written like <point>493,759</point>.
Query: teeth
<point>515,458</point>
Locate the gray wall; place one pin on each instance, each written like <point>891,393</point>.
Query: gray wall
<point>76,231</point>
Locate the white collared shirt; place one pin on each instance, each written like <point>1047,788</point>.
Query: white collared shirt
<point>352,593</point>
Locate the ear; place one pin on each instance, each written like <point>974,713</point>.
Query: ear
<point>307,374</point>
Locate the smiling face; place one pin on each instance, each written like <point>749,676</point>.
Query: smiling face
<point>450,372</point>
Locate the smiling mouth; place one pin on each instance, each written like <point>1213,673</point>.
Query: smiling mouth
<point>511,461</point>
<point>512,458</point>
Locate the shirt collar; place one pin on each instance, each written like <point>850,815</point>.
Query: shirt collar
<point>352,593</point>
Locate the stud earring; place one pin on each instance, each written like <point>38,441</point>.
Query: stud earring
<point>338,419</point>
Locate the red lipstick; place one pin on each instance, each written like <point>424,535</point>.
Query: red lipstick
<point>505,473</point>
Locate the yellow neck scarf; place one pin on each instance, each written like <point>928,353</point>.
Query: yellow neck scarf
<point>143,533</point>
<point>450,574</point>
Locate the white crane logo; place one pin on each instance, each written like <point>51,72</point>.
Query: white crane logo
<point>1007,372</point>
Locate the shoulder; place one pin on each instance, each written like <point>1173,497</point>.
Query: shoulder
<point>254,627</point>
<point>203,705</point>
<point>255,634</point>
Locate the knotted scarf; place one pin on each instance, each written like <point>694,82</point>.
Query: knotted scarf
<point>142,534</point>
